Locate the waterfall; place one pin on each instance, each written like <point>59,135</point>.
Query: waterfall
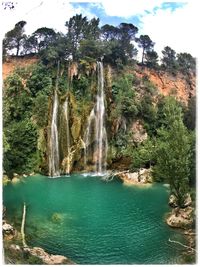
<point>54,161</point>
<point>96,136</point>
<point>66,113</point>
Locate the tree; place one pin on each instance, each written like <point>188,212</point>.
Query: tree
<point>91,49</point>
<point>110,32</point>
<point>143,154</point>
<point>173,153</point>
<point>42,38</point>
<point>190,114</point>
<point>186,63</point>
<point>169,60</point>
<point>22,139</point>
<point>92,31</point>
<point>15,39</point>
<point>39,81</point>
<point>151,59</point>
<point>76,32</point>
<point>145,43</point>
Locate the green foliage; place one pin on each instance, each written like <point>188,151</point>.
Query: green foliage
<point>146,44</point>
<point>190,114</point>
<point>22,139</point>
<point>143,155</point>
<point>39,80</point>
<point>15,38</point>
<point>40,110</point>
<point>80,86</point>
<point>173,153</point>
<point>151,58</point>
<point>124,96</point>
<point>17,100</point>
<point>169,62</point>
<point>186,63</point>
<point>91,49</point>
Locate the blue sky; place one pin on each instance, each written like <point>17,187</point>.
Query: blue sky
<point>99,11</point>
<point>167,23</point>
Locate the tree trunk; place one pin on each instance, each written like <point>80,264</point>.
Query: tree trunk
<point>143,57</point>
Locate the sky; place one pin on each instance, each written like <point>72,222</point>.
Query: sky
<point>167,23</point>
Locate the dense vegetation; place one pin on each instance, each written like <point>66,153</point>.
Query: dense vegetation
<point>170,146</point>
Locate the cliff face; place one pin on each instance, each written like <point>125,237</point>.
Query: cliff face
<point>180,86</point>
<point>13,62</point>
<point>83,82</point>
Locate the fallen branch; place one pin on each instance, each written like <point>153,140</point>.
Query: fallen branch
<point>110,176</point>
<point>22,226</point>
<point>176,242</point>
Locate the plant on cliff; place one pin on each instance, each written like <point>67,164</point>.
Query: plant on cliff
<point>173,152</point>
<point>125,96</point>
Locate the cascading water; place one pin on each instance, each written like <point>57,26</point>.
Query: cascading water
<point>54,161</point>
<point>66,113</point>
<point>96,136</point>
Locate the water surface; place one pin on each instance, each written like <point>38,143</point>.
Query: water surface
<point>94,222</point>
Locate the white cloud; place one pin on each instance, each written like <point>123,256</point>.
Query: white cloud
<point>177,29</point>
<point>165,27</point>
<point>127,8</point>
<point>38,13</point>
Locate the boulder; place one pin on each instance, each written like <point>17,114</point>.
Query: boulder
<point>139,133</point>
<point>188,201</point>
<point>15,247</point>
<point>8,231</point>
<point>173,201</point>
<point>49,258</point>
<point>15,180</point>
<point>143,176</point>
<point>6,180</point>
<point>181,218</point>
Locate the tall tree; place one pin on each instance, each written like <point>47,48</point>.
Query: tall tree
<point>110,32</point>
<point>43,37</point>
<point>186,63</point>
<point>146,44</point>
<point>15,38</point>
<point>169,59</point>
<point>76,27</point>
<point>173,152</point>
<point>127,34</point>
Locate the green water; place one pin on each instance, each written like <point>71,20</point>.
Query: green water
<point>94,222</point>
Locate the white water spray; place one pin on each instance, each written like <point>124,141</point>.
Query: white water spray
<point>96,136</point>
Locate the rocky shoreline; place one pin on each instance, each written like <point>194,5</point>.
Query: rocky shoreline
<point>142,177</point>
<point>12,238</point>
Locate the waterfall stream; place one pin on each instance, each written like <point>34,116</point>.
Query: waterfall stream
<point>54,158</point>
<point>68,145</point>
<point>54,161</point>
<point>96,136</point>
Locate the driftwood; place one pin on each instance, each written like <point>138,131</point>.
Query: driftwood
<point>110,176</point>
<point>176,242</point>
<point>22,226</point>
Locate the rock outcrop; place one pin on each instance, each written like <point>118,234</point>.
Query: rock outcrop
<point>142,177</point>
<point>181,218</point>
<point>139,134</point>
<point>48,258</point>
<point>181,86</point>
